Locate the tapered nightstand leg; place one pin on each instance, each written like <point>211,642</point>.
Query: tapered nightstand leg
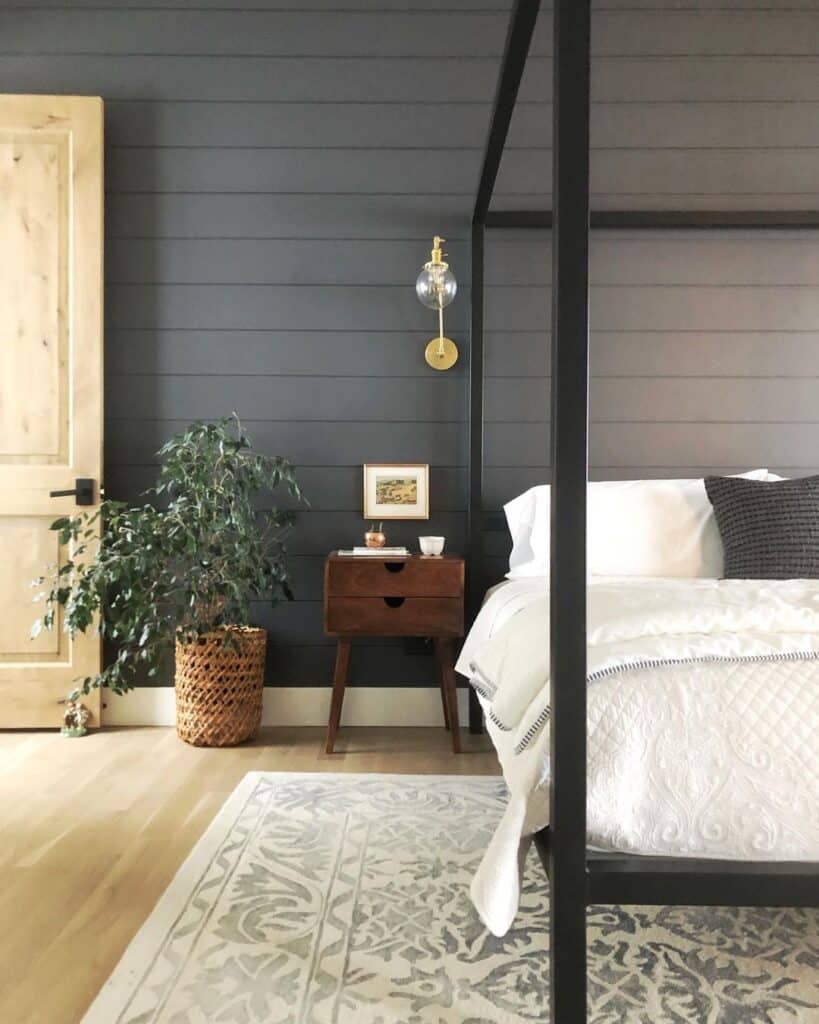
<point>441,686</point>
<point>443,649</point>
<point>339,685</point>
<point>446,710</point>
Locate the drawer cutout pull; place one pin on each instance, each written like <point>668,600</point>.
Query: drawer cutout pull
<point>394,602</point>
<point>394,566</point>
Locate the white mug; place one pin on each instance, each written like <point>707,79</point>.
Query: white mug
<point>431,545</point>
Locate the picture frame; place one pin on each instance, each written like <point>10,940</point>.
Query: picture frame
<point>396,490</point>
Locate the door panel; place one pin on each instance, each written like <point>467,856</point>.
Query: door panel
<point>50,378</point>
<point>27,545</point>
<point>33,293</point>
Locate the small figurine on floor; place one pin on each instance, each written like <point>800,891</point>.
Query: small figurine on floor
<point>75,719</point>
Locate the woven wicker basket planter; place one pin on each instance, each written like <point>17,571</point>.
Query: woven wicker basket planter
<point>219,689</point>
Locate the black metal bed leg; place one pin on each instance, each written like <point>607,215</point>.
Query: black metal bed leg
<point>568,959</point>
<point>570,380</point>
<point>475,714</point>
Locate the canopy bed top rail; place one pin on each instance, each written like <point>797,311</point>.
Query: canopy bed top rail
<point>663,220</point>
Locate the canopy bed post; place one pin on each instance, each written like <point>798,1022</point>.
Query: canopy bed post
<point>569,428</point>
<point>473,525</point>
<point>518,37</point>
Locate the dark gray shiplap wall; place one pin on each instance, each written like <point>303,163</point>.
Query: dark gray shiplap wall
<point>275,172</point>
<point>705,345</point>
<point>704,356</point>
<point>709,339</point>
<point>274,175</point>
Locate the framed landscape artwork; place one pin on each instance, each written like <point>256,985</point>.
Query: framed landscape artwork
<point>396,491</point>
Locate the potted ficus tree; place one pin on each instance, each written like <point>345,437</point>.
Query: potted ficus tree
<point>181,571</point>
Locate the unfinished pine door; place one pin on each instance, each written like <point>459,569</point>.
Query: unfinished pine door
<point>50,379</point>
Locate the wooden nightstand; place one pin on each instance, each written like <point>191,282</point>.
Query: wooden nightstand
<point>412,596</point>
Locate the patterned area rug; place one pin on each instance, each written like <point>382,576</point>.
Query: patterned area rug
<point>344,899</point>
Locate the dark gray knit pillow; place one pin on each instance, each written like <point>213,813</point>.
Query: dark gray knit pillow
<point>769,528</point>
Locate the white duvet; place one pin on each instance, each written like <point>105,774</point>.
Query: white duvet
<point>703,719</point>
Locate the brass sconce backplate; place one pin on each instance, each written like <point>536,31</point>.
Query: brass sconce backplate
<point>441,353</point>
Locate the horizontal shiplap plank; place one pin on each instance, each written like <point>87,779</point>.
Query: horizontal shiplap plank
<point>692,444</point>
<point>666,308</point>
<point>330,353</point>
<point>697,32</point>
<point>672,172</point>
<point>680,125</point>
<point>689,79</point>
<point>653,201</point>
<point>727,354</point>
<point>176,215</point>
<point>322,399</point>
<point>346,171</point>
<point>367,262</point>
<point>731,79</point>
<point>253,79</point>
<point>421,5</point>
<point>516,444</point>
<point>245,32</point>
<point>398,34</point>
<point>689,5</point>
<point>663,444</point>
<point>523,172</point>
<point>405,125</point>
<point>305,442</point>
<point>244,307</point>
<point>312,5</point>
<point>669,353</point>
<point>665,257</point>
<point>724,308</point>
<point>665,399</point>
<point>408,125</point>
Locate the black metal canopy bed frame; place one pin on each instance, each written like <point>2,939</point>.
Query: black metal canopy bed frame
<point>579,877</point>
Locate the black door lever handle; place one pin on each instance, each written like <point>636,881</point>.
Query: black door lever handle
<point>83,491</point>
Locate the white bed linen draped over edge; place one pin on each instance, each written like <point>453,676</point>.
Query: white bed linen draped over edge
<point>703,720</point>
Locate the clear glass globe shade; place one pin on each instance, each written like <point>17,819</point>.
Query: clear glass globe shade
<point>436,286</point>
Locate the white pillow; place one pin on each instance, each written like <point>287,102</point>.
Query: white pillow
<point>634,528</point>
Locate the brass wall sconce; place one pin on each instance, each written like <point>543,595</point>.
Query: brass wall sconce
<point>436,287</point>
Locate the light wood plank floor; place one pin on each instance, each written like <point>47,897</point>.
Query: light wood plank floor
<point>93,830</point>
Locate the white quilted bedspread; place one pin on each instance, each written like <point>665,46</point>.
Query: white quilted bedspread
<point>711,758</point>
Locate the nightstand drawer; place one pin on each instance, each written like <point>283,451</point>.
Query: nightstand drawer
<point>394,615</point>
<point>411,577</point>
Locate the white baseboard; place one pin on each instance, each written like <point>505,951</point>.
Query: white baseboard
<point>299,705</point>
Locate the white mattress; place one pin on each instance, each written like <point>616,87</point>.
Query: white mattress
<point>706,759</point>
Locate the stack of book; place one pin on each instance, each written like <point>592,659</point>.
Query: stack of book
<point>395,552</point>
